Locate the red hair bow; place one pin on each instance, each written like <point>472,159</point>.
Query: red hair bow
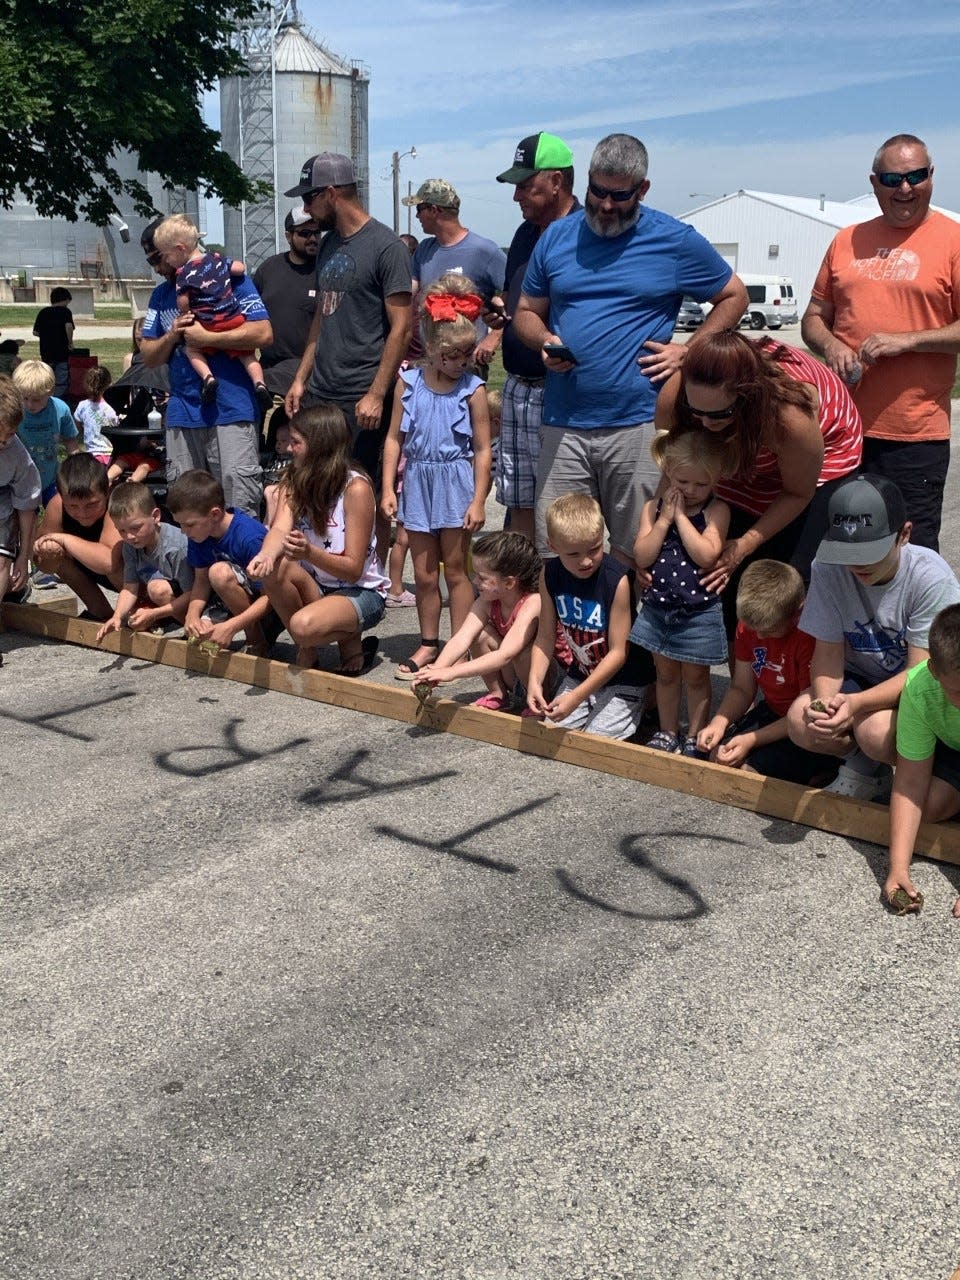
<point>447,306</point>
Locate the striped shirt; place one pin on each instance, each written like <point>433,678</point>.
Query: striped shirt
<point>840,426</point>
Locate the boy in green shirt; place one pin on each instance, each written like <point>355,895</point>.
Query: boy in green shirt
<point>926,785</point>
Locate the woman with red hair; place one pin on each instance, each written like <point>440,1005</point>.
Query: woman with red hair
<point>790,432</point>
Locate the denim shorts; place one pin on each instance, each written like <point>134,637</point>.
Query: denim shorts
<point>369,604</point>
<point>682,635</point>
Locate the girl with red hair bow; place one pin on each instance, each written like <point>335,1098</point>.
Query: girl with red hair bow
<point>441,424</point>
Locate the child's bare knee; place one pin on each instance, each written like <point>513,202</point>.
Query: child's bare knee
<point>159,591</point>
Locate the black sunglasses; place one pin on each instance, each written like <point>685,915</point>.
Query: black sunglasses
<point>606,193</point>
<point>305,234</point>
<point>427,205</point>
<point>316,191</point>
<point>714,415</point>
<point>914,178</point>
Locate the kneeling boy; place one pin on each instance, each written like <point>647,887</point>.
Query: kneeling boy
<point>221,543</point>
<point>591,595</point>
<point>19,495</point>
<point>772,658</point>
<point>77,539</point>
<point>926,784</point>
<point>157,578</point>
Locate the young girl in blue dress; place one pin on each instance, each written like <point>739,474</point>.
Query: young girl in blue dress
<point>681,534</point>
<point>440,422</point>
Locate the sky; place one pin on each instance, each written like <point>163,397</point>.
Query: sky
<point>788,96</point>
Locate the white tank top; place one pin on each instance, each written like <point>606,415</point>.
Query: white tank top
<point>333,540</point>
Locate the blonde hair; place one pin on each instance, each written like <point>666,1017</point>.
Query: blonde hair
<point>439,334</point>
<point>11,403</point>
<point>494,402</point>
<point>770,595</point>
<point>575,517</point>
<point>692,449</point>
<point>34,378</point>
<point>174,230</point>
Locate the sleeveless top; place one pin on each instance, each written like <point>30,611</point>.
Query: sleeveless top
<point>561,649</point>
<point>840,426</point>
<point>676,577</point>
<point>333,540</point>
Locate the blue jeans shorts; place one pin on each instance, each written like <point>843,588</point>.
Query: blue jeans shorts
<point>682,635</point>
<point>369,604</point>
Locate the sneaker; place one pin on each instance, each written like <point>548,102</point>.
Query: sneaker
<point>263,397</point>
<point>861,786</point>
<point>44,581</point>
<point>692,751</point>
<point>664,741</point>
<point>403,601</point>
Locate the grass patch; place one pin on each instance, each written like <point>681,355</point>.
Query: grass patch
<point>22,314</point>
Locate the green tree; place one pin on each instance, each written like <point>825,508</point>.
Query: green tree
<point>83,80</point>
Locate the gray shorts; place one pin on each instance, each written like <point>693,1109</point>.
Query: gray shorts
<point>612,464</point>
<point>519,445</point>
<point>230,452</point>
<point>612,712</point>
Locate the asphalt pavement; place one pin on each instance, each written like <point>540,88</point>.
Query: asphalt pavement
<point>295,992</point>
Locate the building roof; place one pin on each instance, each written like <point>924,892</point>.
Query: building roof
<point>297,52</point>
<point>833,213</point>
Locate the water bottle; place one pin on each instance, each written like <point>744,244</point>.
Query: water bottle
<point>154,421</point>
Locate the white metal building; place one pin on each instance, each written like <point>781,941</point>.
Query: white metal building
<point>759,231</point>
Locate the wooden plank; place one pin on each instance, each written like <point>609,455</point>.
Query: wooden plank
<point>57,603</point>
<point>813,808</point>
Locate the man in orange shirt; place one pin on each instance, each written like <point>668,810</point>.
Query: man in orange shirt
<point>885,316</point>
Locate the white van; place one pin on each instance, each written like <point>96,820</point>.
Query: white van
<point>772,301</point>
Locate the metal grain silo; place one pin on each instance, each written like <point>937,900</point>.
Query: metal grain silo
<point>299,98</point>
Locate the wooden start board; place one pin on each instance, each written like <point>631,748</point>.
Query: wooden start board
<point>813,808</point>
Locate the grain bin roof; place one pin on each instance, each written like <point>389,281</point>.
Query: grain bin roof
<point>297,52</point>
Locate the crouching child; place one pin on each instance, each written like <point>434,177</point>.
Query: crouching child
<point>591,594</point>
<point>772,660</point>
<point>157,577</point>
<point>77,539</point>
<point>19,495</point>
<point>926,783</point>
<point>221,541</point>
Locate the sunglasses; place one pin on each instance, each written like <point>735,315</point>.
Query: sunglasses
<point>714,415</point>
<point>306,235</point>
<point>914,178</point>
<point>316,191</point>
<point>607,193</point>
<point>421,207</point>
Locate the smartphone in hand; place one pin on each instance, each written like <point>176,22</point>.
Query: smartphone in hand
<point>559,351</point>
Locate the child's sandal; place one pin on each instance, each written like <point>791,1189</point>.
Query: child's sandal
<point>407,670</point>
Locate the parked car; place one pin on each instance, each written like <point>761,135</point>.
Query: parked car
<point>691,315</point>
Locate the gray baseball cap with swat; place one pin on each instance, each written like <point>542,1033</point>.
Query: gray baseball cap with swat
<point>864,517</point>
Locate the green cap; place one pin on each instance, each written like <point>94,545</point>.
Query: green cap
<point>539,151</point>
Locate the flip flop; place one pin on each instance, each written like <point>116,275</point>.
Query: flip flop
<point>368,651</point>
<point>407,670</point>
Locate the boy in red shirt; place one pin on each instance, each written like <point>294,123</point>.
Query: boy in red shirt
<point>772,658</point>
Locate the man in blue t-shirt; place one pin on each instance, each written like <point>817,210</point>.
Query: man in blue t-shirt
<point>222,437</point>
<point>607,284</point>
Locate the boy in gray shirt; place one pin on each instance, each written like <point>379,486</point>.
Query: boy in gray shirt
<point>871,601</point>
<point>156,576</point>
<point>19,495</point>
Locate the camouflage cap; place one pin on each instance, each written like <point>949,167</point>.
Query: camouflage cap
<point>435,191</point>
